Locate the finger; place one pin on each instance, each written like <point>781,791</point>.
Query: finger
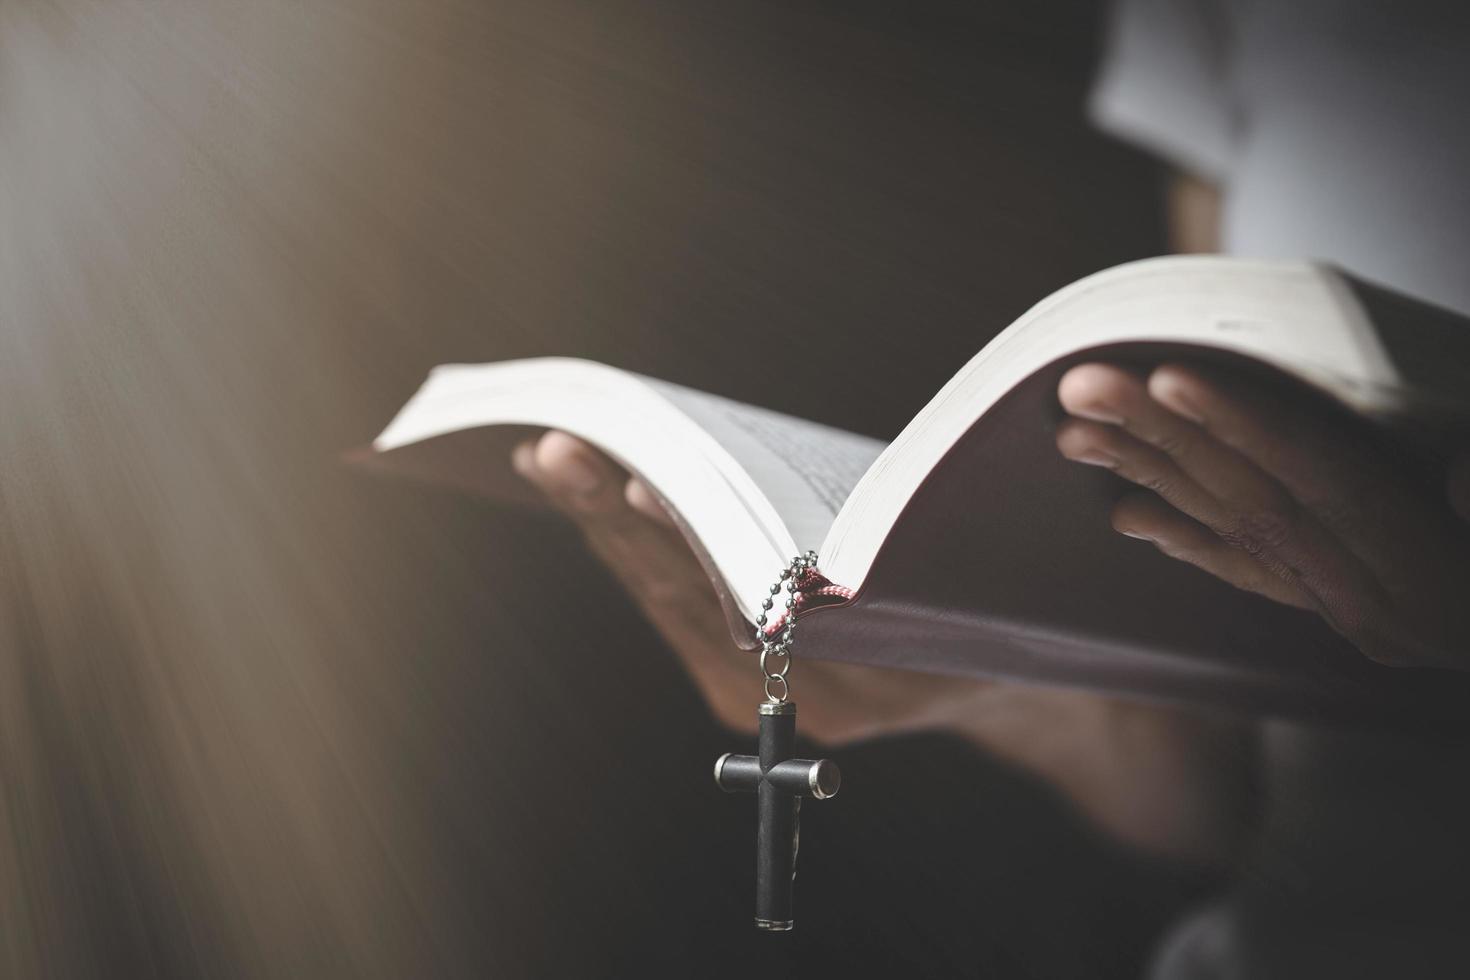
<point>1151,468</point>
<point>523,458</point>
<point>1232,496</point>
<point>576,475</point>
<point>1176,491</point>
<point>571,471</point>
<point>1109,447</point>
<point>642,499</point>
<point>1296,444</point>
<point>1243,562</point>
<point>661,574</point>
<point>650,558</point>
<point>1325,467</point>
<point>651,561</point>
<point>1110,394</point>
<point>1147,517</point>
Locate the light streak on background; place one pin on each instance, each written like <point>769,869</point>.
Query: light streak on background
<point>259,718</point>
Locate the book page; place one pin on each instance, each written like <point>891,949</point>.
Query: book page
<point>805,469</point>
<point>1294,316</point>
<point>737,532</point>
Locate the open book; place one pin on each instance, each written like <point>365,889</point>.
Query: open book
<point>967,545</point>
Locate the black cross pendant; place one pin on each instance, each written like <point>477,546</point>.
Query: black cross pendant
<point>779,782</point>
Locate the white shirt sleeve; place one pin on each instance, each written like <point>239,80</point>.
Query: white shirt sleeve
<point>1164,82</point>
<point>1338,129</point>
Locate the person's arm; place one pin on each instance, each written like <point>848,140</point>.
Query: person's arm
<point>1157,778</point>
<point>1161,779</point>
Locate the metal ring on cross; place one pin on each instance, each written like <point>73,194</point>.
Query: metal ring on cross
<point>773,652</point>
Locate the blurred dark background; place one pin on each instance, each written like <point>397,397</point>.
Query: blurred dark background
<point>261,716</point>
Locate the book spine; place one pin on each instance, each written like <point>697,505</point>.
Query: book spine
<point>815,590</point>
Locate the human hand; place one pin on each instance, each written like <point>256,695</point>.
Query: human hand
<point>1139,771</point>
<point>629,530</point>
<point>1281,500</point>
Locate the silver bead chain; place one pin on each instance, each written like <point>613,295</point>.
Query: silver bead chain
<point>777,650</point>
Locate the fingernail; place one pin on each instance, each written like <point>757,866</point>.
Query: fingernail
<point>1094,413</point>
<point>1168,392</point>
<point>522,459</point>
<point>1181,406</point>
<point>643,500</point>
<point>1136,534</point>
<point>1095,457</point>
<point>579,474</point>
